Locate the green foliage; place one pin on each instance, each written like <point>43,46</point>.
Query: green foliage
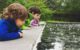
<point>64,6</point>
<point>2,4</point>
<point>72,6</point>
<point>56,5</point>
<point>48,7</point>
<point>46,12</point>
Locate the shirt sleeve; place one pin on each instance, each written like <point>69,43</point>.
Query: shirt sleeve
<point>33,23</point>
<point>6,35</point>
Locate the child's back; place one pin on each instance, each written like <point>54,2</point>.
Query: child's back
<point>8,30</point>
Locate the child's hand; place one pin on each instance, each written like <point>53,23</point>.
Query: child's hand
<point>21,34</point>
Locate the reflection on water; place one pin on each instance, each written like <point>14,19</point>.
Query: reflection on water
<point>60,36</point>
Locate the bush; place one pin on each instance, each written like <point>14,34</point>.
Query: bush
<point>46,12</point>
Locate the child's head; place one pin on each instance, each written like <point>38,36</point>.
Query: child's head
<point>17,12</point>
<point>35,11</point>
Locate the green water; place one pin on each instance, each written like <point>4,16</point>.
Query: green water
<point>68,34</point>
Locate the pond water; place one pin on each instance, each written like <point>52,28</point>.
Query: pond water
<point>60,36</point>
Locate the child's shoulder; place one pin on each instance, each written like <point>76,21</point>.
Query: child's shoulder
<point>2,21</point>
<point>3,24</point>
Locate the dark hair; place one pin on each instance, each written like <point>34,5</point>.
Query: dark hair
<point>34,10</point>
<point>15,11</point>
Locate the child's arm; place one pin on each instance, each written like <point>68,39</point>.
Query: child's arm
<point>6,35</point>
<point>33,23</point>
<point>12,35</point>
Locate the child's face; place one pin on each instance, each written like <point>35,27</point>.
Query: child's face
<point>36,16</point>
<point>19,22</point>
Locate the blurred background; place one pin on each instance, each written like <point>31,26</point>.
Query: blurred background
<point>52,10</point>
